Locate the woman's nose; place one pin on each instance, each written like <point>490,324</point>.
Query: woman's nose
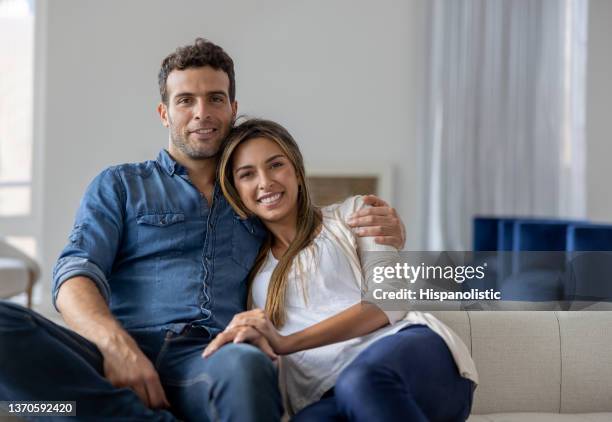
<point>264,181</point>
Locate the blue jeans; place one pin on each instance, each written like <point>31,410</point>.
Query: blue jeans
<point>40,360</point>
<point>408,376</point>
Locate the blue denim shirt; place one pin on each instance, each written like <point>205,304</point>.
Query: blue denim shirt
<point>160,255</point>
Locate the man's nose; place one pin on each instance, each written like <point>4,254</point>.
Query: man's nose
<point>201,111</point>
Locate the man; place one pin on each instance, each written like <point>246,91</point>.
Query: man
<point>155,267</point>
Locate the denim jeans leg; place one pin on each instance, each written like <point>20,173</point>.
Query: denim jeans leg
<point>237,383</point>
<point>40,360</point>
<point>324,410</point>
<point>410,375</point>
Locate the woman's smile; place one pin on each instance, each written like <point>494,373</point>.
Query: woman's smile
<point>270,200</point>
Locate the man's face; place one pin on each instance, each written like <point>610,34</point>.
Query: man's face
<point>199,113</point>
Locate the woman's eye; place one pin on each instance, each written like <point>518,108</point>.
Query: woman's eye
<point>276,164</point>
<point>245,175</point>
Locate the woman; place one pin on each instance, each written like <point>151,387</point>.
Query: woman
<point>341,357</point>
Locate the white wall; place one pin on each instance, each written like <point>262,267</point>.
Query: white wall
<point>599,112</point>
<point>341,76</point>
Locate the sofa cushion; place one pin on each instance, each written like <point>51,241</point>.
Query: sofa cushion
<point>518,360</point>
<point>459,322</point>
<point>586,352</point>
<point>551,362</point>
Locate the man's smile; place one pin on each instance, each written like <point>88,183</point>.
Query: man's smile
<point>204,131</point>
<point>203,134</point>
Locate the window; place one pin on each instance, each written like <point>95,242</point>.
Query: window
<point>16,122</point>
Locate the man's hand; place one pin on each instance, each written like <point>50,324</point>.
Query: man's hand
<point>380,221</point>
<point>241,334</point>
<point>125,365</point>
<point>86,312</point>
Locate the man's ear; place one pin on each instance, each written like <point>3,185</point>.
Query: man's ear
<point>162,110</point>
<point>235,109</point>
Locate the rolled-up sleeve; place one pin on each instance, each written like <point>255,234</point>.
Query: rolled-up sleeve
<point>95,237</point>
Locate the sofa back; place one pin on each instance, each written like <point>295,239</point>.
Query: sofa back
<point>538,361</point>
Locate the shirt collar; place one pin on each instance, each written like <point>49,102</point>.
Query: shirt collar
<point>169,165</point>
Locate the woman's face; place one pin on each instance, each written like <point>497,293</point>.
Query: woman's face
<point>265,180</point>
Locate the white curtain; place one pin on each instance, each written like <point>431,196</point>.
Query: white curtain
<point>502,128</point>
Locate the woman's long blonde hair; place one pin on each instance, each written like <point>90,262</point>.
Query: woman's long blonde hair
<point>308,218</point>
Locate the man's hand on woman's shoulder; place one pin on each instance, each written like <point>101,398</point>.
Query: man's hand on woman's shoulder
<point>380,221</point>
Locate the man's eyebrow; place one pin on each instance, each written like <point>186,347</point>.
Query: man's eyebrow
<point>217,93</point>
<point>191,94</point>
<point>184,94</point>
<point>249,166</point>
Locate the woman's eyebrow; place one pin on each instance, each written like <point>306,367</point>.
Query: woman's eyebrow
<point>246,166</point>
<point>249,166</point>
<point>274,157</point>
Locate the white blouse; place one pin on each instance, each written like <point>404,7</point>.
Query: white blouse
<point>325,279</point>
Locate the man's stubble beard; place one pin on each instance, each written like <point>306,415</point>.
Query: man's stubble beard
<point>181,142</point>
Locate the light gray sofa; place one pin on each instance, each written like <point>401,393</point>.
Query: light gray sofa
<point>547,366</point>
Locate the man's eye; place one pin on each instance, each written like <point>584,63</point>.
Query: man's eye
<point>217,99</point>
<point>183,101</point>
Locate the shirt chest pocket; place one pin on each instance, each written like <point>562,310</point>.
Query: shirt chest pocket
<point>161,233</point>
<point>245,244</point>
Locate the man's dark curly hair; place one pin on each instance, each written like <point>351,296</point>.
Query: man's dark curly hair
<point>201,53</point>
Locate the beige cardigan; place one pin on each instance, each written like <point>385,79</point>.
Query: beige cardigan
<point>354,248</point>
